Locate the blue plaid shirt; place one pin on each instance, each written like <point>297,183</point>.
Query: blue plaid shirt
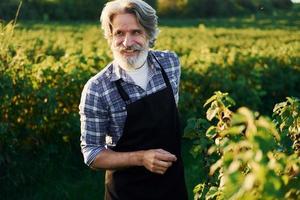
<point>102,110</point>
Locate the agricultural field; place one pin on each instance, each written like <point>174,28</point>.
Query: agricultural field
<point>44,66</point>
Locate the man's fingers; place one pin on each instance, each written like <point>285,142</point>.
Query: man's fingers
<point>158,160</point>
<point>165,156</point>
<point>159,170</point>
<point>163,164</point>
<point>162,151</point>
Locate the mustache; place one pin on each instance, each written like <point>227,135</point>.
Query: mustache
<point>133,47</point>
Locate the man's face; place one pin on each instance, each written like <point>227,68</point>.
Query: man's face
<point>129,41</point>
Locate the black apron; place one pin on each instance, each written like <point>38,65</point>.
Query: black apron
<point>152,122</point>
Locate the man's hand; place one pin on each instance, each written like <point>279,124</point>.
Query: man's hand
<point>158,160</point>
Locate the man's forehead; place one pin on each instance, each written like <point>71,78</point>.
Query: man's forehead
<point>125,21</point>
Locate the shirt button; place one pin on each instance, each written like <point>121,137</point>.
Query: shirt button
<point>123,108</point>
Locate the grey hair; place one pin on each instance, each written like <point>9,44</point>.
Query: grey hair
<point>144,13</point>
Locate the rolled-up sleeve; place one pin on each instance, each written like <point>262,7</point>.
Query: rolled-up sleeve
<point>94,122</point>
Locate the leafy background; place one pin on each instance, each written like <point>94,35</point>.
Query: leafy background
<point>44,65</point>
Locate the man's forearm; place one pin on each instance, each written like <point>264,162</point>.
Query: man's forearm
<point>108,159</point>
<point>155,160</point>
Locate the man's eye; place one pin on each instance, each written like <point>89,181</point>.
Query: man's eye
<point>137,32</point>
<point>118,33</point>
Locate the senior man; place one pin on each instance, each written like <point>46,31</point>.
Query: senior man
<point>128,111</point>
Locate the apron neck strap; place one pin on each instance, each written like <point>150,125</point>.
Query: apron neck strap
<point>125,96</point>
<point>166,79</point>
<point>121,91</point>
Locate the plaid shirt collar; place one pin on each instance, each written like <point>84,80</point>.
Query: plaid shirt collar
<point>118,73</point>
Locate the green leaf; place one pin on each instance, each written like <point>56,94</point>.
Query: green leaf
<point>212,112</point>
<point>278,107</point>
<point>189,131</point>
<point>234,166</point>
<point>196,150</point>
<point>235,130</point>
<point>229,102</point>
<point>211,132</point>
<point>249,182</point>
<point>269,127</point>
<point>199,188</point>
<point>212,193</point>
<point>211,99</point>
<point>215,166</point>
<point>237,119</point>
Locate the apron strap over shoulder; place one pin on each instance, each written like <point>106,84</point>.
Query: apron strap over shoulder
<point>121,91</point>
<point>164,74</point>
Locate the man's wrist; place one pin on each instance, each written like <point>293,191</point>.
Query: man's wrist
<point>136,158</point>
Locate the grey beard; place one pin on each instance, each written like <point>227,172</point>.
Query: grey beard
<point>130,63</point>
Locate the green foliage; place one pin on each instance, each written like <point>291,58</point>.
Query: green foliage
<point>170,7</point>
<point>53,9</point>
<point>251,163</point>
<point>43,68</point>
<point>90,9</point>
<point>40,88</point>
<point>219,8</point>
<point>287,120</point>
<point>248,63</point>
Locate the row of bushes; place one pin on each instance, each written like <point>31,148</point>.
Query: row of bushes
<point>219,8</point>
<point>90,9</point>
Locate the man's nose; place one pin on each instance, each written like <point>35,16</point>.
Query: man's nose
<point>128,41</point>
